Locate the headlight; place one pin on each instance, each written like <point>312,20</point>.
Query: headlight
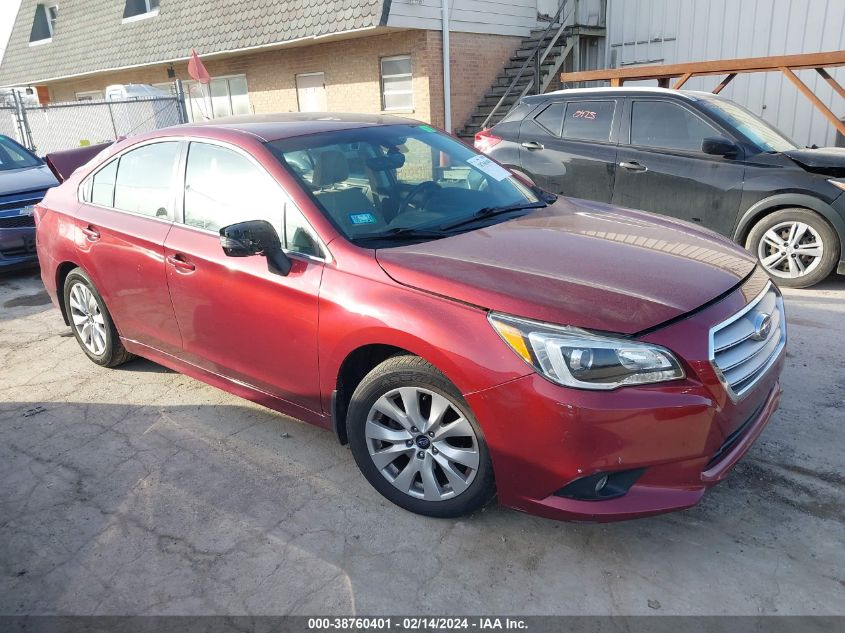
<point>573,357</point>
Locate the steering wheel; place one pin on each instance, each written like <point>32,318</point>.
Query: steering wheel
<point>428,187</point>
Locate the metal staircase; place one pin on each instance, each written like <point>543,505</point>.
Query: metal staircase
<point>533,67</point>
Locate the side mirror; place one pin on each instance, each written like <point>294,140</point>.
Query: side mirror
<point>719,147</point>
<point>255,237</point>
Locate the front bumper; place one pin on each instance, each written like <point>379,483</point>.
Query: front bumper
<point>685,434</point>
<point>17,247</point>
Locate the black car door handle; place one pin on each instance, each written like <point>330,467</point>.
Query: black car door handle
<point>632,165</point>
<point>532,145</point>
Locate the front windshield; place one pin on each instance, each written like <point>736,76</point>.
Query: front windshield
<point>401,181</point>
<point>766,137</point>
<point>13,156</point>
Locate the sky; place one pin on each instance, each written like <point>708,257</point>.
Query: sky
<point>8,12</point>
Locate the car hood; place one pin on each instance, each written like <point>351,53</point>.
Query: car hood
<point>829,161</point>
<point>26,179</point>
<point>577,263</point>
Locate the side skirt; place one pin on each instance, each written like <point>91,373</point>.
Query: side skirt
<point>236,387</point>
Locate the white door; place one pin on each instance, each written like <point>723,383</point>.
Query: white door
<point>311,92</point>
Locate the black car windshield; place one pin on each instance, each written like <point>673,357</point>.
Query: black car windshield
<point>14,156</point>
<point>755,129</point>
<point>384,185</point>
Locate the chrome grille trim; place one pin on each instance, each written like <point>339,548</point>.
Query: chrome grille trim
<point>739,359</point>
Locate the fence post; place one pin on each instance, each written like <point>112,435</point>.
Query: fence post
<point>23,124</point>
<point>111,116</point>
<point>180,101</point>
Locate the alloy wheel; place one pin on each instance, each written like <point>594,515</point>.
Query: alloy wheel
<point>790,249</point>
<point>87,319</point>
<point>422,444</point>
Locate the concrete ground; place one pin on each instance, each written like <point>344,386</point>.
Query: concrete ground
<point>141,491</point>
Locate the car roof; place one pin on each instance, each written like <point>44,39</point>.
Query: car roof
<point>604,91</point>
<point>273,127</point>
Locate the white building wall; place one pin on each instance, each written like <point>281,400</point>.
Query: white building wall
<point>498,17</point>
<point>644,32</point>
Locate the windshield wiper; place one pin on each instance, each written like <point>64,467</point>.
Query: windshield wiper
<point>403,233</point>
<point>489,212</point>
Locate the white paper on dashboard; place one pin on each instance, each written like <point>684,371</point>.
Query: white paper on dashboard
<point>495,171</point>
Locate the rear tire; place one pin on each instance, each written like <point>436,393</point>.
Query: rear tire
<point>91,322</point>
<point>796,247</point>
<point>417,442</point>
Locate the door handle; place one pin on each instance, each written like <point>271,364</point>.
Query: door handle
<point>632,165</point>
<point>532,145</point>
<point>179,263</point>
<point>91,234</point>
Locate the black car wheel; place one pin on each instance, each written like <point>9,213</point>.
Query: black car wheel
<point>416,441</point>
<point>796,247</point>
<point>91,322</point>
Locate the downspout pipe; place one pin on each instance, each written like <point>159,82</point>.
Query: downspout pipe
<point>447,79</point>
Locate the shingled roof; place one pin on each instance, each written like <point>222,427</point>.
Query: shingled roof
<point>90,35</point>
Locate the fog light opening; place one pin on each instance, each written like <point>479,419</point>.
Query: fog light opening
<point>600,484</point>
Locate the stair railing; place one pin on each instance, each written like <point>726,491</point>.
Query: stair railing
<point>537,57</point>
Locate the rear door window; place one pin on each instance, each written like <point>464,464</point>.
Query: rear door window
<point>668,126</point>
<point>578,120</point>
<point>144,182</point>
<point>588,120</point>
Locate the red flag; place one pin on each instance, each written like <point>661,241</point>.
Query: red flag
<point>197,70</point>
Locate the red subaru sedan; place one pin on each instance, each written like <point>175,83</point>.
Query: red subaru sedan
<point>465,332</point>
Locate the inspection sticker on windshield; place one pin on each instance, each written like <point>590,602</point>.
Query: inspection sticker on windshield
<point>362,218</point>
<point>497,172</point>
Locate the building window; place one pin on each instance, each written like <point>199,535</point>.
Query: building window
<point>397,92</point>
<point>138,9</point>
<point>90,95</point>
<point>42,24</point>
<point>53,15</point>
<point>228,96</point>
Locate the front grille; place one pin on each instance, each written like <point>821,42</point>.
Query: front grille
<point>17,222</point>
<point>7,202</point>
<point>742,348</point>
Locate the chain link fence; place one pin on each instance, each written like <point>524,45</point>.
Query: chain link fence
<point>61,126</point>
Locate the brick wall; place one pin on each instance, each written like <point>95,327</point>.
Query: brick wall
<point>475,61</point>
<point>351,70</point>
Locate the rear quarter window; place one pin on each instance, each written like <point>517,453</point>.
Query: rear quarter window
<point>509,126</point>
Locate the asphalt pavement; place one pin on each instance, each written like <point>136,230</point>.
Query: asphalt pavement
<point>141,491</point>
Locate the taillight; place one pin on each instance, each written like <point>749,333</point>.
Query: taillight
<point>485,140</point>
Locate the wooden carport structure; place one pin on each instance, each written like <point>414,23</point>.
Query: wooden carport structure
<point>730,68</point>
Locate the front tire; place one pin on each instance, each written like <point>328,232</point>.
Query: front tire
<point>416,441</point>
<point>796,247</point>
<point>91,322</point>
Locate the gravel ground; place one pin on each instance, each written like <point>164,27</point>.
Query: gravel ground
<point>142,491</point>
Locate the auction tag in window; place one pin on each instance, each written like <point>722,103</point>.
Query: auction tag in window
<point>362,218</point>
<point>495,171</point>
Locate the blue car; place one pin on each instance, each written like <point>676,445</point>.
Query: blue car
<point>24,179</point>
